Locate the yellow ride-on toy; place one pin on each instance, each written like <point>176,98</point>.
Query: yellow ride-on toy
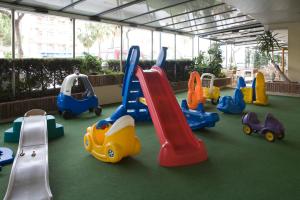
<point>111,143</point>
<point>212,92</point>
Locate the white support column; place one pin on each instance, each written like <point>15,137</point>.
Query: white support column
<point>13,52</point>
<point>175,68</point>
<point>198,46</point>
<point>175,47</point>
<point>226,57</point>
<point>159,40</point>
<point>193,46</point>
<point>151,44</point>
<point>121,50</point>
<point>74,38</point>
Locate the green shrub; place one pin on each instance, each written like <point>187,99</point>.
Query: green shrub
<point>41,77</point>
<point>209,64</point>
<point>90,64</point>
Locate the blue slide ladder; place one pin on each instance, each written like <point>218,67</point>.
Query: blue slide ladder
<point>132,91</point>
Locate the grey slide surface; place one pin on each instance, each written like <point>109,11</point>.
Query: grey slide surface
<point>29,177</point>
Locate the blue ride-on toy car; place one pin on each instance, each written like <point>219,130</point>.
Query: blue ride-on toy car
<point>69,106</point>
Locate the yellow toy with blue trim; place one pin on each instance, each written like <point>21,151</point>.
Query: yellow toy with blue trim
<point>261,97</point>
<point>257,93</point>
<point>248,94</point>
<point>111,143</point>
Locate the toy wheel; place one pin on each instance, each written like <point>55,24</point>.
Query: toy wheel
<point>247,129</point>
<point>270,136</point>
<point>66,115</point>
<point>113,153</point>
<point>280,136</point>
<point>98,110</point>
<point>215,101</point>
<point>91,110</point>
<point>87,142</point>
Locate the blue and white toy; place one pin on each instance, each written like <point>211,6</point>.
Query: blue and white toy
<point>69,106</point>
<point>6,156</point>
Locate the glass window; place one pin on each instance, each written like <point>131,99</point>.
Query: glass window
<point>224,55</point>
<point>140,37</point>
<point>196,47</point>
<point>168,40</point>
<point>184,47</point>
<point>5,33</point>
<point>156,44</point>
<point>98,39</point>
<point>42,36</point>
<point>204,44</point>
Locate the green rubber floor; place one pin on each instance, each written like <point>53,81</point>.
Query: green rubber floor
<point>239,166</point>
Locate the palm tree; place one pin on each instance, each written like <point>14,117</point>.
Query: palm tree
<point>266,44</point>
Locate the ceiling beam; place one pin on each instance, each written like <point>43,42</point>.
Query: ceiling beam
<point>230,33</point>
<point>152,11</point>
<point>232,29</point>
<point>71,5</point>
<point>120,7</point>
<point>184,13</point>
<point>248,20</point>
<point>244,41</point>
<point>206,16</point>
<point>241,44</point>
<point>212,21</point>
<point>244,36</point>
<point>67,14</point>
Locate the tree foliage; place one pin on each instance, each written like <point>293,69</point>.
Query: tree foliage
<point>95,32</point>
<point>5,28</point>
<point>210,62</point>
<point>216,59</point>
<point>267,43</point>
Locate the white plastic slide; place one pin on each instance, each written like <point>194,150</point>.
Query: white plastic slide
<point>280,72</point>
<point>29,175</point>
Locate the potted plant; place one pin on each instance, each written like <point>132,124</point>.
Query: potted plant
<point>266,44</point>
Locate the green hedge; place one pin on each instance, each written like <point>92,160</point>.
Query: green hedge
<point>176,70</point>
<point>34,77</point>
<point>41,77</point>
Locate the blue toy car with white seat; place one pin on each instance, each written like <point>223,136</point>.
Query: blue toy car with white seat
<point>69,106</point>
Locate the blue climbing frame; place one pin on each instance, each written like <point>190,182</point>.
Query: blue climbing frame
<point>132,91</point>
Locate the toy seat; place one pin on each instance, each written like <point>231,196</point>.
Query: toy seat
<point>252,118</point>
<point>232,105</point>
<point>272,122</point>
<point>121,123</point>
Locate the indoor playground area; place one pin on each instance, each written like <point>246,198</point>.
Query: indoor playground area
<point>148,99</point>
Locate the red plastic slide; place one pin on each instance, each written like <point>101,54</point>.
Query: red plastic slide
<point>178,144</point>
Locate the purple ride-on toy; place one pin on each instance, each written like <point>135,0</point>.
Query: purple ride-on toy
<point>271,128</point>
